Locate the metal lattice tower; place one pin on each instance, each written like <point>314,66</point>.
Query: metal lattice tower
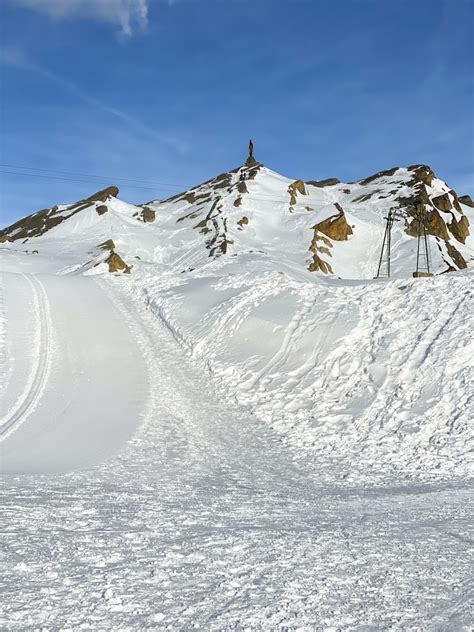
<point>387,244</point>
<point>423,255</point>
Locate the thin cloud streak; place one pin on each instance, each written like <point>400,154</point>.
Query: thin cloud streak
<point>128,14</point>
<point>19,60</point>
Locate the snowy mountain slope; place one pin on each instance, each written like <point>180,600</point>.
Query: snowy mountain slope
<point>243,270</point>
<point>335,228</point>
<point>327,227</point>
<point>230,437</point>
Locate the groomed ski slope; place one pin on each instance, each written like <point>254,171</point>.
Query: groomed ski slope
<point>73,379</point>
<point>206,508</point>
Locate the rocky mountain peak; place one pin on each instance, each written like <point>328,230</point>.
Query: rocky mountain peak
<point>320,225</point>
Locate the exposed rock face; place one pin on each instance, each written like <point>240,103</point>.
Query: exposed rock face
<point>423,174</point>
<point>32,226</point>
<point>243,222</point>
<point>460,229</point>
<point>208,206</point>
<point>437,226</point>
<point>41,222</point>
<point>103,196</point>
<point>335,228</point>
<point>117,264</point>
<point>108,245</point>
<point>114,260</point>
<point>442,202</point>
<point>456,256</point>
<point>328,182</point>
<point>318,264</point>
<point>298,186</point>
<point>102,209</point>
<point>444,217</point>
<point>379,174</point>
<point>99,196</point>
<point>148,214</point>
<point>467,200</point>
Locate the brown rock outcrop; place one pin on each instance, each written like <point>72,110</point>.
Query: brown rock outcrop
<point>298,186</point>
<point>328,182</point>
<point>148,214</point>
<point>460,229</point>
<point>243,222</point>
<point>335,227</point>
<point>442,202</point>
<point>99,196</point>
<point>456,256</point>
<point>422,173</point>
<point>114,260</point>
<point>242,187</point>
<point>467,200</point>
<point>379,174</point>
<point>117,264</point>
<point>435,225</point>
<point>319,265</point>
<point>108,245</point>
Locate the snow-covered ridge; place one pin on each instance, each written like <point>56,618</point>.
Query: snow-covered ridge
<point>316,226</point>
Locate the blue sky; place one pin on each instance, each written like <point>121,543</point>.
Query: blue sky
<point>168,93</point>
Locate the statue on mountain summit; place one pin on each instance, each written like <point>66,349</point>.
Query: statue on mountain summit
<point>250,149</point>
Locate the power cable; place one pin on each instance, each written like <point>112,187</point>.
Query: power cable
<point>92,175</point>
<point>37,175</point>
<point>268,198</point>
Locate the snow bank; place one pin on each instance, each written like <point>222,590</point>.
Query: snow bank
<point>376,374</point>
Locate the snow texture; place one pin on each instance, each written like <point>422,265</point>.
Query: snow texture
<point>233,442</point>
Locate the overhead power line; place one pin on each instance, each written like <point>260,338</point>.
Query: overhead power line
<point>92,175</point>
<point>51,177</point>
<point>106,180</point>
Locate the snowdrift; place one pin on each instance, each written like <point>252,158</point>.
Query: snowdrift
<point>377,376</point>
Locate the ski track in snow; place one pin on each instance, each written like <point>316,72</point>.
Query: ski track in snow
<point>42,362</point>
<point>3,343</point>
<point>208,519</point>
<point>377,375</point>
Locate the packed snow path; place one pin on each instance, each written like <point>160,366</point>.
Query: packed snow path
<point>206,519</point>
<point>73,377</point>
<point>40,359</point>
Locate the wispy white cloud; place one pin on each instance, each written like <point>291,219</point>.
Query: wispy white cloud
<point>20,60</point>
<point>129,15</point>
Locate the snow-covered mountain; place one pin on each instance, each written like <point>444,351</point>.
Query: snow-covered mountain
<point>317,226</point>
<point>239,428</point>
<point>268,281</point>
